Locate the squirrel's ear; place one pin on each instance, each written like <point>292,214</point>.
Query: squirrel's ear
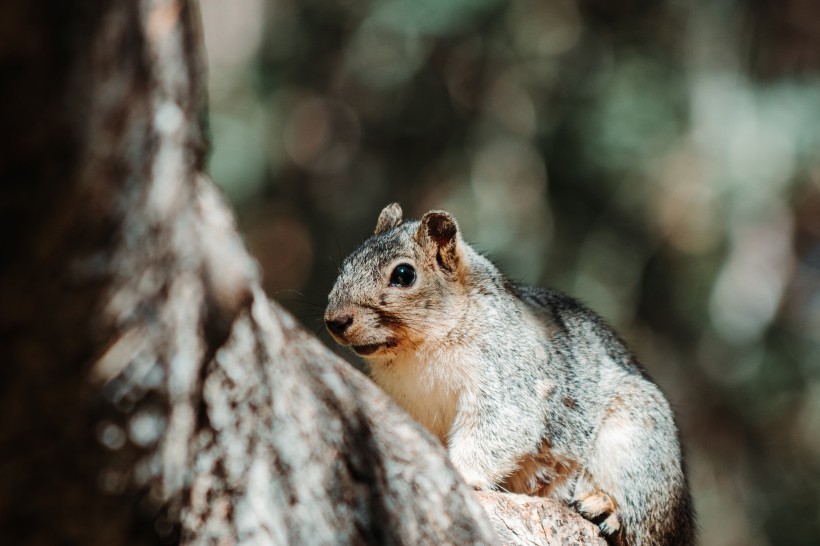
<point>438,231</point>
<point>389,217</point>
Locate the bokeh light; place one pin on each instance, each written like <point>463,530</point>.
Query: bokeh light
<point>660,160</point>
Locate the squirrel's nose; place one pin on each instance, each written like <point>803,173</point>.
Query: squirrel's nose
<point>339,325</point>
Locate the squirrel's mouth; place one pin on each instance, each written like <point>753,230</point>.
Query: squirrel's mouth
<point>364,350</point>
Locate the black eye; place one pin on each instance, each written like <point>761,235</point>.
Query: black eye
<point>403,275</point>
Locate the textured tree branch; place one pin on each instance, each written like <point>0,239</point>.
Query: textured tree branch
<point>521,520</point>
<point>151,392</point>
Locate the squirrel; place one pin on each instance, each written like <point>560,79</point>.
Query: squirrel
<point>528,390</point>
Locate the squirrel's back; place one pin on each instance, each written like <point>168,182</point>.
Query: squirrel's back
<point>577,322</point>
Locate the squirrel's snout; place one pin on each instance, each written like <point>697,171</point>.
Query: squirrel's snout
<point>338,325</point>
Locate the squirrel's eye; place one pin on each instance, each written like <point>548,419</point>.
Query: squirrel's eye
<point>403,275</point>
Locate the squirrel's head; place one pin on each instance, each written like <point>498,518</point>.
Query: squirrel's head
<point>399,289</point>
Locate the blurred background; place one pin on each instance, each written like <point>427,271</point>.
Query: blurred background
<point>659,160</point>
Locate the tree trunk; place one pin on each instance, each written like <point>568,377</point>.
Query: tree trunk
<point>149,392</point>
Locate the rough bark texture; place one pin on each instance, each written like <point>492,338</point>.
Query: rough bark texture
<point>520,520</point>
<point>149,391</point>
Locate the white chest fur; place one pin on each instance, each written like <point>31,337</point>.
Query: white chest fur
<point>428,383</point>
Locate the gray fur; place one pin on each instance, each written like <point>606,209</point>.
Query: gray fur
<point>390,217</point>
<point>529,390</point>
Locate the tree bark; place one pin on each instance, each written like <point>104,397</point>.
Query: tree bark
<point>150,392</point>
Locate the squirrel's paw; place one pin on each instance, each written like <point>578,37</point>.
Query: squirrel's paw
<point>599,508</point>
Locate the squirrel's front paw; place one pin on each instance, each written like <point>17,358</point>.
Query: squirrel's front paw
<point>599,508</point>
